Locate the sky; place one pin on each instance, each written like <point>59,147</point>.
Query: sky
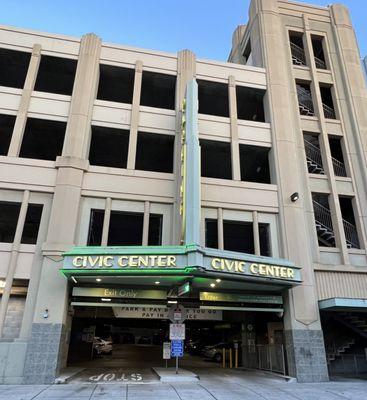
<point>203,26</point>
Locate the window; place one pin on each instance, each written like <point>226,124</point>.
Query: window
<point>305,103</point>
<point>313,153</point>
<point>327,102</point>
<point>216,159</point>
<point>6,130</point>
<point>238,236</point>
<point>43,139</point>
<point>126,229</point>
<point>13,68</point>
<point>323,220</point>
<point>32,223</point>
<point>95,227</point>
<point>115,84</point>
<point>211,233</point>
<point>247,55</point>
<point>297,50</point>
<point>109,147</point>
<point>154,152</point>
<point>213,98</point>
<point>155,230</point>
<point>337,158</point>
<point>254,163</point>
<point>158,90</point>
<point>250,104</point>
<point>9,213</point>
<point>318,51</point>
<point>349,222</point>
<point>56,75</point>
<point>264,234</point>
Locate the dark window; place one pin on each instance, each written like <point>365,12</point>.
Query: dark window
<point>109,147</point>
<point>265,245</point>
<point>216,159</point>
<point>211,233</point>
<point>250,103</point>
<point>9,213</point>
<point>13,68</point>
<point>115,84</point>
<point>337,158</point>
<point>254,161</point>
<point>43,139</point>
<point>213,98</point>
<point>32,223</point>
<point>313,153</point>
<point>318,51</point>
<point>349,222</point>
<point>155,230</point>
<point>297,50</point>
<point>95,227</point>
<point>238,236</point>
<point>327,102</point>
<point>158,90</point>
<point>6,130</point>
<point>305,103</point>
<point>323,220</point>
<point>56,75</point>
<point>126,229</point>
<point>247,51</point>
<point>154,152</point>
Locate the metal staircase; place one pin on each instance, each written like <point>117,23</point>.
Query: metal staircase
<point>314,159</point>
<point>356,323</point>
<point>305,103</point>
<point>298,55</point>
<point>337,348</point>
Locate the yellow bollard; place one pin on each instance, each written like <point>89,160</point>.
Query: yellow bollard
<point>230,358</point>
<point>236,357</point>
<point>224,358</point>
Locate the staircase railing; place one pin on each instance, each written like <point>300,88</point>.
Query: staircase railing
<point>322,215</point>
<point>339,167</point>
<point>305,98</point>
<point>351,234</point>
<point>320,63</point>
<point>298,53</point>
<point>328,111</point>
<point>313,153</point>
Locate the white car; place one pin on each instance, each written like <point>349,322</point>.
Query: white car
<point>101,346</point>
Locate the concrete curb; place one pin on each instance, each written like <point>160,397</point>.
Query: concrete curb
<point>168,375</point>
<point>67,374</point>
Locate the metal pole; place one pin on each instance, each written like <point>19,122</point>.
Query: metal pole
<point>176,365</point>
<point>283,359</point>
<point>230,359</point>
<point>236,358</point>
<point>224,358</point>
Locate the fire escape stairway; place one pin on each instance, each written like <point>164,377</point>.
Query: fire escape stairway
<point>298,55</point>
<point>337,348</point>
<point>313,156</point>
<point>305,103</point>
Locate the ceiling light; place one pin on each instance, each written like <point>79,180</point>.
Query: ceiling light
<point>212,285</point>
<point>74,280</point>
<point>218,280</point>
<point>157,282</point>
<point>99,280</point>
<point>104,299</point>
<point>172,301</point>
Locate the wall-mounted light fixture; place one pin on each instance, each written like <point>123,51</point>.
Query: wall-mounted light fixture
<point>45,314</point>
<point>294,197</point>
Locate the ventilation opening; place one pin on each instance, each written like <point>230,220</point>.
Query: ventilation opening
<point>32,224</point>
<point>318,51</point>
<point>349,222</point>
<point>6,130</point>
<point>216,159</point>
<point>337,158</point>
<point>265,244</point>
<point>213,98</point>
<point>109,147</point>
<point>158,90</point>
<point>13,68</point>
<point>305,102</point>
<point>297,50</point>
<point>126,229</point>
<point>56,75</point>
<point>327,102</point>
<point>155,229</point>
<point>154,152</point>
<point>254,162</point>
<point>115,84</point>
<point>313,154</point>
<point>95,227</point>
<point>250,104</point>
<point>9,213</point>
<point>43,139</point>
<point>323,220</point>
<point>238,236</point>
<point>211,233</point>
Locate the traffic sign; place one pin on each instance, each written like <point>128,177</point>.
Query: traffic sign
<point>166,350</point>
<point>177,313</point>
<point>177,348</point>
<point>177,331</point>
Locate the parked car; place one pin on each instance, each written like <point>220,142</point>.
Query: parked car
<point>195,347</point>
<point>215,352</point>
<point>101,346</point>
<point>144,340</point>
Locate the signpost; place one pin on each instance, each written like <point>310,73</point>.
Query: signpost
<point>177,347</point>
<point>177,336</point>
<point>166,351</point>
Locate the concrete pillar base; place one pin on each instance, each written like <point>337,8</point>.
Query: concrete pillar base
<point>306,356</point>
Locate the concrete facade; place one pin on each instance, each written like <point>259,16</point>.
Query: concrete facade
<point>69,187</point>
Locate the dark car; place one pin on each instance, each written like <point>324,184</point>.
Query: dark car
<point>144,340</point>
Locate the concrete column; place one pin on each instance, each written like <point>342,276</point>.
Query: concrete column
<point>255,226</point>
<point>304,340</point>
<point>43,362</point>
<point>20,122</point>
<point>134,124</point>
<point>13,260</point>
<point>186,70</point>
<point>106,221</point>
<point>220,228</point>
<point>145,237</point>
<point>235,150</point>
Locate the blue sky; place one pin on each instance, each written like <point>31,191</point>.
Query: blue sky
<point>203,26</point>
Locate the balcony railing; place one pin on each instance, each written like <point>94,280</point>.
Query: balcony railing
<point>305,101</point>
<point>298,55</point>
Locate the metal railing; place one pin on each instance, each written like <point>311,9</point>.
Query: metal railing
<point>298,54</point>
<point>339,167</point>
<point>329,112</point>
<point>265,357</point>
<point>349,364</point>
<point>320,64</point>
<point>351,234</point>
<point>322,215</point>
<point>313,153</point>
<point>305,98</point>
